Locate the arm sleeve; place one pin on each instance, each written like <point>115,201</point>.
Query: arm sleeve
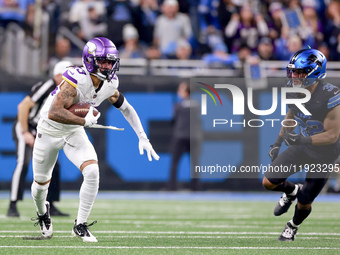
<point>262,27</point>
<point>131,116</point>
<point>187,27</point>
<point>231,28</point>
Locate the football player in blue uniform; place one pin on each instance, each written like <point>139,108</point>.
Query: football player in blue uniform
<point>315,148</point>
<point>59,129</point>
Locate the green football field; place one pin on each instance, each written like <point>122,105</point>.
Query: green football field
<point>174,227</point>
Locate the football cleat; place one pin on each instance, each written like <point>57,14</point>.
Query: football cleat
<point>82,231</point>
<point>288,233</point>
<point>45,222</point>
<point>285,202</point>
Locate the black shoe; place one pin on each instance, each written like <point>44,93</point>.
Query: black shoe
<point>82,231</point>
<point>12,212</point>
<point>285,202</point>
<point>45,222</point>
<point>55,212</point>
<point>288,233</point>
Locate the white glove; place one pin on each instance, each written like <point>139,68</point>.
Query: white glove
<point>90,119</point>
<point>144,144</point>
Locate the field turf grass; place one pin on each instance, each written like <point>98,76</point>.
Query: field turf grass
<point>173,227</point>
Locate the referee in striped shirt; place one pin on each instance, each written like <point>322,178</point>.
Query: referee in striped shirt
<point>24,132</point>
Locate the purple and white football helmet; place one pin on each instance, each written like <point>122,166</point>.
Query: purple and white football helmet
<point>98,50</point>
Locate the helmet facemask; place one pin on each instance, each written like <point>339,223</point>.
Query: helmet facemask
<point>299,79</point>
<point>106,73</point>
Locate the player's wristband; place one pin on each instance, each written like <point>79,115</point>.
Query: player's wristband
<point>306,140</point>
<point>278,141</point>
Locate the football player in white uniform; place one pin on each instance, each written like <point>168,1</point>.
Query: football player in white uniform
<point>59,129</point>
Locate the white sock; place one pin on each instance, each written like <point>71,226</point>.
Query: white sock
<point>294,191</point>
<point>88,192</point>
<point>39,193</point>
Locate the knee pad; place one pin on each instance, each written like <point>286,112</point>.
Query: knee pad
<point>91,173</point>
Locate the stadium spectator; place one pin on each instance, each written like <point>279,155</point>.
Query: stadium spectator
<point>214,38</point>
<point>312,23</point>
<point>183,50</point>
<point>275,22</point>
<point>265,49</point>
<point>119,13</point>
<point>246,27</point>
<point>92,24</point>
<point>153,52</point>
<point>294,23</point>
<point>14,11</point>
<point>24,134</point>
<point>225,10</point>
<point>131,48</point>
<point>146,14</point>
<point>62,50</point>
<point>171,27</point>
<point>220,58</point>
<point>208,19</point>
<point>79,9</point>
<point>87,19</point>
<point>288,44</point>
<point>324,48</point>
<point>332,31</point>
<point>207,11</point>
<point>194,19</point>
<point>314,145</point>
<point>185,139</point>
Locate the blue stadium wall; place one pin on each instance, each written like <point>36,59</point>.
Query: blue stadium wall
<point>121,166</point>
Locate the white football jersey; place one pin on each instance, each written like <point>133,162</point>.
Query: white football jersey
<point>80,78</point>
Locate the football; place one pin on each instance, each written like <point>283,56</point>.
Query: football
<point>81,109</point>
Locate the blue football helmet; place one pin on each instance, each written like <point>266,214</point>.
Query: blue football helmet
<point>310,64</point>
<point>98,50</point>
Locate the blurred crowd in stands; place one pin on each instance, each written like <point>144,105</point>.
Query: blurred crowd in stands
<point>218,31</point>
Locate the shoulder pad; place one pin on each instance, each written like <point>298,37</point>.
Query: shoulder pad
<point>74,76</point>
<point>334,99</point>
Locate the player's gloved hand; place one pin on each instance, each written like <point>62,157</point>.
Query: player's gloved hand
<point>144,144</point>
<point>292,138</point>
<point>274,151</point>
<point>90,119</point>
<point>275,148</point>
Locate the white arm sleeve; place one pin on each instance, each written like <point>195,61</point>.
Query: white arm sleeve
<point>131,116</point>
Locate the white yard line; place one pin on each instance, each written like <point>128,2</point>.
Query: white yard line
<point>181,232</point>
<point>173,247</point>
<point>173,237</point>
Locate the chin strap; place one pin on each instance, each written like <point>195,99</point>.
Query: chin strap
<point>99,75</point>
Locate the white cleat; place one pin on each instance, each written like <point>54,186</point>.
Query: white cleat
<point>82,231</point>
<point>45,222</point>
